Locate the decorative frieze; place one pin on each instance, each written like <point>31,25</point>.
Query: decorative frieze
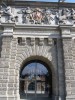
<point>37,15</point>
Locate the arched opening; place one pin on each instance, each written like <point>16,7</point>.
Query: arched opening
<point>35,80</point>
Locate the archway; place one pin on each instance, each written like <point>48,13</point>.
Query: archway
<point>32,76</point>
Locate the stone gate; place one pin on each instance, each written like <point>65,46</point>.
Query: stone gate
<point>37,31</point>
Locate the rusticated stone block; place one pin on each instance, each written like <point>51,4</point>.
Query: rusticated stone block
<point>3,80</point>
<point>10,85</point>
<point>3,98</point>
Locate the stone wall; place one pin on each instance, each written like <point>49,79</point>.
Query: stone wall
<point>57,53</point>
<point>4,66</point>
<point>14,55</point>
<point>69,52</point>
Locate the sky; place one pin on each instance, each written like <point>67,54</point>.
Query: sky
<point>73,1</point>
<point>30,68</point>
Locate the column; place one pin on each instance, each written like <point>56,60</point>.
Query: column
<point>6,39</point>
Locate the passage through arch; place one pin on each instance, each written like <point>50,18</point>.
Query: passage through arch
<point>35,80</point>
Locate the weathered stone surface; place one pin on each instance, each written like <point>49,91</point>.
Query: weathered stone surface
<point>53,45</point>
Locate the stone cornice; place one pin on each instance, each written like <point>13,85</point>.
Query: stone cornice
<point>8,24</point>
<point>54,31</point>
<point>37,26</point>
<point>66,26</point>
<point>29,26</point>
<point>50,27</point>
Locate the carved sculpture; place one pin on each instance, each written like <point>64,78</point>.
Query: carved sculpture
<point>46,15</point>
<point>31,16</point>
<point>73,13</point>
<point>65,16</point>
<point>7,11</point>
<point>37,16</point>
<point>11,16</point>
<point>26,15</point>
<point>49,17</point>
<point>1,12</point>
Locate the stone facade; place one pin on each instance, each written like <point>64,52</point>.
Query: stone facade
<point>52,43</point>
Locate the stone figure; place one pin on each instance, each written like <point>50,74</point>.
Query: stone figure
<point>26,15</point>
<point>56,18</point>
<point>11,16</point>
<point>73,13</point>
<point>64,16</point>
<point>49,17</point>
<point>1,12</point>
<point>68,13</point>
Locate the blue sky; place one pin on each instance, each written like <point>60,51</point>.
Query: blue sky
<point>30,68</point>
<point>73,1</point>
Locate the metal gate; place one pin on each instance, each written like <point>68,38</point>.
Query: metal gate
<point>34,85</point>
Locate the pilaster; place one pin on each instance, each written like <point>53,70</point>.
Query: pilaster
<point>7,77</point>
<point>61,70</point>
<point>68,52</point>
